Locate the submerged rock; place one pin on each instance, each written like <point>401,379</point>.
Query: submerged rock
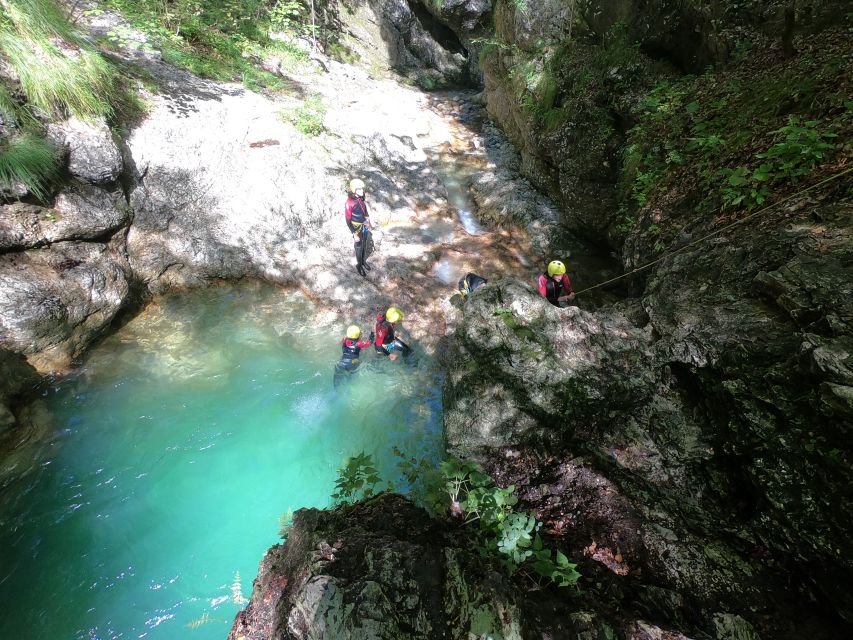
<point>16,378</point>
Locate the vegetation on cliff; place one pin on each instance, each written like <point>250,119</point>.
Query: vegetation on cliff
<point>458,493</point>
<point>56,74</point>
<point>770,111</point>
<point>52,73</point>
<point>741,137</point>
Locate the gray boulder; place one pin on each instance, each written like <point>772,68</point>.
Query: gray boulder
<point>381,569</point>
<point>419,46</point>
<point>378,569</point>
<point>545,364</point>
<point>93,156</point>
<point>81,212</point>
<point>54,302</point>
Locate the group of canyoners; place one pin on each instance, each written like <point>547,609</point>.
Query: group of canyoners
<point>554,285</point>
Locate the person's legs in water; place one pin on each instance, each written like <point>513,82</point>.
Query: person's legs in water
<point>343,372</point>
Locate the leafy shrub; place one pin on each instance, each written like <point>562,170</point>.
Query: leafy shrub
<point>801,145</point>
<point>287,15</point>
<point>357,479</point>
<point>308,117</point>
<point>460,489</point>
<point>741,187</point>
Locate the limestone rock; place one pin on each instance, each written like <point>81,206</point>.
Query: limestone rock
<point>463,16</point>
<point>93,156</point>
<point>730,627</point>
<point>532,366</point>
<point>16,376</point>
<point>420,47</point>
<point>53,302</point>
<point>81,212</point>
<point>382,569</point>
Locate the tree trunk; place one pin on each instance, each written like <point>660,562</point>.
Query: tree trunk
<point>788,33</point>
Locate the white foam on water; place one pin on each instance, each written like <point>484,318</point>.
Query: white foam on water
<point>469,223</point>
<point>443,272</point>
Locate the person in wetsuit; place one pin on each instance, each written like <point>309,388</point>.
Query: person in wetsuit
<point>470,282</point>
<point>555,285</point>
<point>351,347</point>
<point>384,341</point>
<point>358,221</point>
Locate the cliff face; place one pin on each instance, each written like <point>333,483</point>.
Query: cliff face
<point>689,446</point>
<point>699,430</point>
<point>383,569</point>
<point>566,81</point>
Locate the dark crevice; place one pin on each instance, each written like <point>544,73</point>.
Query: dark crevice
<point>658,52</point>
<point>441,33</point>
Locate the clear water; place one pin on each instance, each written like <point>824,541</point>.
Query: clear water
<point>457,196</point>
<point>175,451</point>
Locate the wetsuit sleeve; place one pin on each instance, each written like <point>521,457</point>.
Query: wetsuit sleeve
<point>543,286</point>
<point>362,345</point>
<point>348,214</point>
<point>567,283</point>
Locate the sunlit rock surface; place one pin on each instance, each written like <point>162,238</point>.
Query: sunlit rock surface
<point>54,302</point>
<point>93,155</point>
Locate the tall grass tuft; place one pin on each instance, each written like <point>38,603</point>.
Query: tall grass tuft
<point>60,74</point>
<point>29,159</point>
<point>38,17</point>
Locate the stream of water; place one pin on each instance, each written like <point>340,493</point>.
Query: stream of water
<point>175,450</point>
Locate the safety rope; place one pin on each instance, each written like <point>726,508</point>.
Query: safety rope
<point>717,232</point>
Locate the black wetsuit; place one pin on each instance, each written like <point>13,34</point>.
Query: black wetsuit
<point>385,342</point>
<point>384,332</point>
<point>469,283</point>
<point>356,216</point>
<point>348,364</point>
<point>553,289</point>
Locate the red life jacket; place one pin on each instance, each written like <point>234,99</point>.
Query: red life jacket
<point>383,332</point>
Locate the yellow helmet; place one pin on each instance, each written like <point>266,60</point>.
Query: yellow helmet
<point>556,268</point>
<point>353,332</point>
<point>393,314</point>
<point>354,184</point>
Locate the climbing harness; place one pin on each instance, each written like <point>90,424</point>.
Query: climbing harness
<point>717,232</point>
